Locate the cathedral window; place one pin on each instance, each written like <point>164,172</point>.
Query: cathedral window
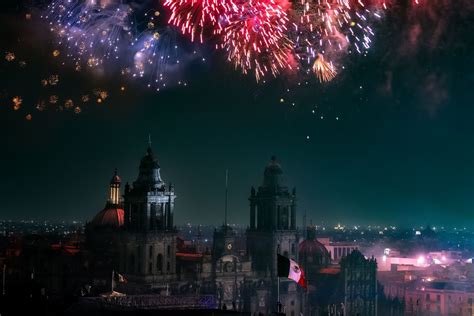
<point>132,263</point>
<point>159,263</point>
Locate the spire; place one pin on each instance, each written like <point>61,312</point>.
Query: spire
<point>226,191</point>
<point>149,151</point>
<point>115,178</point>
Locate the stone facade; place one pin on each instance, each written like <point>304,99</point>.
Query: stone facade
<point>148,249</point>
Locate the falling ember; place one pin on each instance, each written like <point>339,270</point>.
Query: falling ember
<point>56,53</point>
<point>323,70</point>
<point>103,95</point>
<point>85,98</point>
<point>40,106</point>
<point>17,102</point>
<point>53,80</point>
<point>77,110</point>
<point>28,117</point>
<point>68,104</point>
<point>9,56</point>
<point>53,99</point>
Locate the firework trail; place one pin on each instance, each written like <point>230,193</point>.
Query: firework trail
<point>197,17</point>
<point>254,37</point>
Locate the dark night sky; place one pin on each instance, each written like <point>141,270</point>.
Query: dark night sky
<point>402,151</point>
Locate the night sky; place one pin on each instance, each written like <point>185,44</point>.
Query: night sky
<point>391,139</point>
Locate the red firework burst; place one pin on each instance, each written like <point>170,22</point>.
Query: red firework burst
<point>194,17</point>
<point>254,36</point>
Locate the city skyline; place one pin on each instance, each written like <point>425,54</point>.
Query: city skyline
<point>388,140</point>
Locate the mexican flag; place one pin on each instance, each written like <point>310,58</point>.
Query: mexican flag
<point>288,268</point>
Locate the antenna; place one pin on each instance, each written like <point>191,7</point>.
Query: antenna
<point>226,191</point>
<point>305,228</point>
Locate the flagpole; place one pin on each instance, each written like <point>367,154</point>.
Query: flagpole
<point>3,279</point>
<point>278,295</point>
<point>226,191</point>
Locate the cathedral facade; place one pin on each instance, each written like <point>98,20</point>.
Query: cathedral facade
<point>246,279</point>
<point>148,248</point>
<point>135,236</point>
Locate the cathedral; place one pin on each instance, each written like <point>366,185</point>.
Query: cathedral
<point>135,235</point>
<point>148,249</point>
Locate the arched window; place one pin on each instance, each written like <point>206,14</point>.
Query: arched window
<point>168,267</point>
<point>150,250</point>
<point>168,250</point>
<point>159,263</point>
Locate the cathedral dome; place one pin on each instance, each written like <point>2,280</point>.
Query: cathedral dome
<point>313,248</point>
<point>109,217</point>
<point>273,174</point>
<point>149,173</point>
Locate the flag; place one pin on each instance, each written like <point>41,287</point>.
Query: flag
<point>120,278</point>
<point>288,268</point>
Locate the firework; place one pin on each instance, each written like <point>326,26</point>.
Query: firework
<point>53,99</point>
<point>91,30</point>
<point>157,56</point>
<point>323,70</point>
<point>9,56</point>
<point>254,37</point>
<point>193,17</point>
<point>330,28</point>
<point>17,101</point>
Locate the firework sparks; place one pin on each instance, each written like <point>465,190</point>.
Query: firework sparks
<point>330,27</point>
<point>323,70</point>
<point>255,38</point>
<point>92,31</point>
<point>194,16</point>
<point>9,56</point>
<point>17,101</point>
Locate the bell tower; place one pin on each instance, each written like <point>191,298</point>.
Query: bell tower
<point>114,192</point>
<point>272,220</point>
<point>149,252</point>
